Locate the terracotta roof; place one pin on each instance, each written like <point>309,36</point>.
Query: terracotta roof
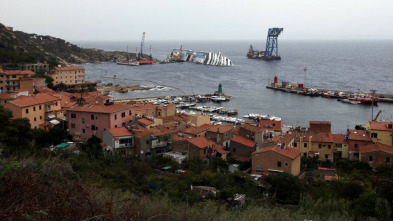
<point>70,68</point>
<point>374,125</point>
<point>363,135</point>
<point>39,80</point>
<point>284,139</point>
<point>119,132</point>
<point>202,142</point>
<point>164,107</point>
<point>18,72</point>
<point>375,148</point>
<point>253,128</point>
<point>242,158</point>
<point>322,137</point>
<point>44,90</point>
<point>243,140</point>
<point>139,107</point>
<point>145,121</point>
<point>340,138</point>
<point>195,130</point>
<point>174,118</point>
<point>34,100</point>
<point>97,108</point>
<point>220,149</point>
<point>288,152</point>
<point>271,125</point>
<point>304,135</point>
<point>143,134</point>
<point>221,128</point>
<point>161,130</point>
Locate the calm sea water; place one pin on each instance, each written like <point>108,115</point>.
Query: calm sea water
<point>341,65</point>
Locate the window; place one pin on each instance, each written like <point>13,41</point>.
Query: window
<point>33,108</point>
<point>72,125</point>
<point>329,146</point>
<point>123,124</point>
<point>123,114</point>
<point>356,154</point>
<point>147,141</point>
<point>92,116</point>
<point>305,154</point>
<point>370,158</point>
<point>286,164</point>
<point>305,145</point>
<point>35,119</point>
<point>83,120</point>
<point>40,117</point>
<point>27,110</point>
<point>294,144</point>
<point>129,113</point>
<point>326,156</point>
<point>115,125</point>
<point>234,150</point>
<point>226,134</point>
<point>93,127</point>
<point>83,131</point>
<point>204,151</point>
<point>115,116</point>
<point>356,145</point>
<point>387,159</point>
<point>73,115</point>
<point>320,146</point>
<point>278,163</point>
<point>56,103</point>
<point>374,135</point>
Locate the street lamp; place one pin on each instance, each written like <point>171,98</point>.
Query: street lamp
<point>372,104</point>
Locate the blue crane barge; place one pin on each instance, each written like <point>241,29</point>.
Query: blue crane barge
<point>271,50</point>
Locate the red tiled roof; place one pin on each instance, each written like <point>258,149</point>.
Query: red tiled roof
<point>34,100</point>
<point>288,152</point>
<point>143,134</point>
<point>161,130</point>
<point>271,125</point>
<point>139,107</point>
<point>304,135</point>
<point>220,149</point>
<point>201,142</point>
<point>195,130</point>
<point>220,128</point>
<point>119,132</point>
<point>320,126</point>
<point>284,139</point>
<point>97,108</point>
<point>18,72</point>
<point>322,137</point>
<point>164,107</point>
<point>376,147</point>
<point>70,68</point>
<point>145,121</point>
<point>339,139</point>
<point>374,125</point>
<point>253,128</point>
<point>363,135</point>
<point>243,140</point>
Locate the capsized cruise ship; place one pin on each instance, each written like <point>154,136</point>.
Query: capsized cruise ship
<point>199,57</point>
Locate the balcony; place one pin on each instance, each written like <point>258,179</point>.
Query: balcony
<point>158,144</point>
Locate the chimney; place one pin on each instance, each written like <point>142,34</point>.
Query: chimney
<point>257,148</point>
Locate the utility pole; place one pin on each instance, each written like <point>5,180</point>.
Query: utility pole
<point>372,103</point>
<point>304,82</point>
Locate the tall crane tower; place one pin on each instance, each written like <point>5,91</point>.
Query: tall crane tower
<point>142,43</point>
<point>271,51</point>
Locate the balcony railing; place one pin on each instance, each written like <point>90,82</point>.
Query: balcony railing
<point>159,144</point>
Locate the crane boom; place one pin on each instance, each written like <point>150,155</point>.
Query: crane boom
<point>142,43</point>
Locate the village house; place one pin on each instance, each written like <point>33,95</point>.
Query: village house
<point>357,138</point>
<point>144,110</point>
<point>199,147</point>
<point>302,141</point>
<point>166,110</point>
<point>88,120</point>
<point>39,109</point>
<point>322,141</point>
<point>241,148</point>
<point>341,143</point>
<point>161,139</point>
<point>276,159</point>
<point>12,81</point>
<point>381,132</point>
<point>376,155</point>
<point>221,134</point>
<point>143,143</point>
<point>254,132</point>
<point>119,140</point>
<point>274,127</point>
<point>38,67</point>
<point>196,131</point>
<point>6,97</point>
<point>198,119</point>
<point>68,75</point>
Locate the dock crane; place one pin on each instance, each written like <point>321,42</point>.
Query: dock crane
<point>271,51</point>
<point>142,43</point>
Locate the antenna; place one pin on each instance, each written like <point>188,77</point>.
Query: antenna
<point>304,82</point>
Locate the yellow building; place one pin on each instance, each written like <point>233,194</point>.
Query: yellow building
<point>302,142</point>
<point>68,75</point>
<point>381,132</point>
<point>12,81</point>
<point>39,109</point>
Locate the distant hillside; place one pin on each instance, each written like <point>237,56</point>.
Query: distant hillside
<point>19,47</point>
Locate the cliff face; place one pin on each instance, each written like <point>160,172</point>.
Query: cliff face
<point>19,47</point>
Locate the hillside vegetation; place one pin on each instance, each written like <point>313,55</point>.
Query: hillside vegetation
<point>19,47</point>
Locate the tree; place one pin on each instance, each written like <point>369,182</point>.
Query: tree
<point>286,188</point>
<point>52,62</point>
<point>62,86</point>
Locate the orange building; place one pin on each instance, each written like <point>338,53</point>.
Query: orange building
<point>68,75</point>
<point>12,81</point>
<point>39,109</point>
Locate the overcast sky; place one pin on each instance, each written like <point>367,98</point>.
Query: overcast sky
<point>125,20</point>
